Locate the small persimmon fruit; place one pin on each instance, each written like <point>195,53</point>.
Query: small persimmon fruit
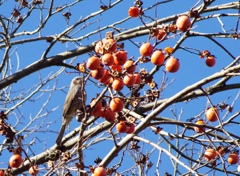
<point>93,63</point>
<point>105,78</point>
<point>183,23</point>
<point>120,57</point>
<point>210,61</point>
<point>100,171</point>
<point>138,78</point>
<point>117,68</point>
<point>129,80</point>
<point>146,49</point>
<point>131,128</point>
<point>110,115</point>
<point>133,12</point>
<point>210,154</point>
<point>212,114</point>
<point>107,59</point>
<point>172,65</point>
<point>116,104</point>
<point>2,172</point>
<point>117,84</point>
<point>98,73</point>
<point>157,57</point>
<point>129,66</point>
<point>15,161</point>
<point>33,170</point>
<point>233,158</point>
<point>122,127</point>
<point>198,129</point>
<point>97,107</point>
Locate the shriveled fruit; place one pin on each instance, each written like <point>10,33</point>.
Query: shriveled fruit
<point>210,61</point>
<point>133,12</point>
<point>157,57</point>
<point>98,73</point>
<point>212,114</point>
<point>146,49</point>
<point>93,63</point>
<point>233,158</point>
<point>161,34</point>
<point>138,78</point>
<point>129,66</point>
<point>100,171</point>
<point>198,129</point>
<point>15,161</point>
<point>106,46</point>
<point>110,115</point>
<point>117,84</point>
<point>172,65</point>
<point>33,170</point>
<point>116,104</point>
<point>131,128</point>
<point>99,48</point>
<point>109,45</point>
<point>129,80</point>
<point>183,23</point>
<point>122,127</point>
<point>210,154</point>
<point>120,57</point>
<point>107,59</point>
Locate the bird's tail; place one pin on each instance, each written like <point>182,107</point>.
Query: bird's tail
<point>60,134</point>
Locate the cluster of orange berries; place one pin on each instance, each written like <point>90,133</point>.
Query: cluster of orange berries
<point>210,155</point>
<point>15,161</point>
<point>212,115</point>
<point>110,113</point>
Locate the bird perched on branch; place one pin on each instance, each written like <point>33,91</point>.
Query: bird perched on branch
<point>74,102</point>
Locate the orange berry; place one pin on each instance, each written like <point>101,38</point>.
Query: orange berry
<point>107,59</point>
<point>131,129</point>
<point>133,12</point>
<point>129,80</point>
<point>210,61</point>
<point>172,65</point>
<point>33,170</point>
<point>116,104</point>
<point>122,127</point>
<point>146,49</point>
<point>100,171</point>
<point>93,63</point>
<point>129,66</point>
<point>183,23</point>
<point>120,57</point>
<point>212,114</point>
<point>116,68</point>
<point>98,73</point>
<point>117,84</point>
<point>157,57</point>
<point>138,78</point>
<point>15,161</point>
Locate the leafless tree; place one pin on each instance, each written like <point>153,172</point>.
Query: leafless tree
<point>44,44</point>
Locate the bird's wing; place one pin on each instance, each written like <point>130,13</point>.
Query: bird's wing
<point>69,100</point>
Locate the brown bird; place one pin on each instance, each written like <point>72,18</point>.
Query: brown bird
<point>75,99</point>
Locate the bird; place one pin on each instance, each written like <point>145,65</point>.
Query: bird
<point>74,102</point>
